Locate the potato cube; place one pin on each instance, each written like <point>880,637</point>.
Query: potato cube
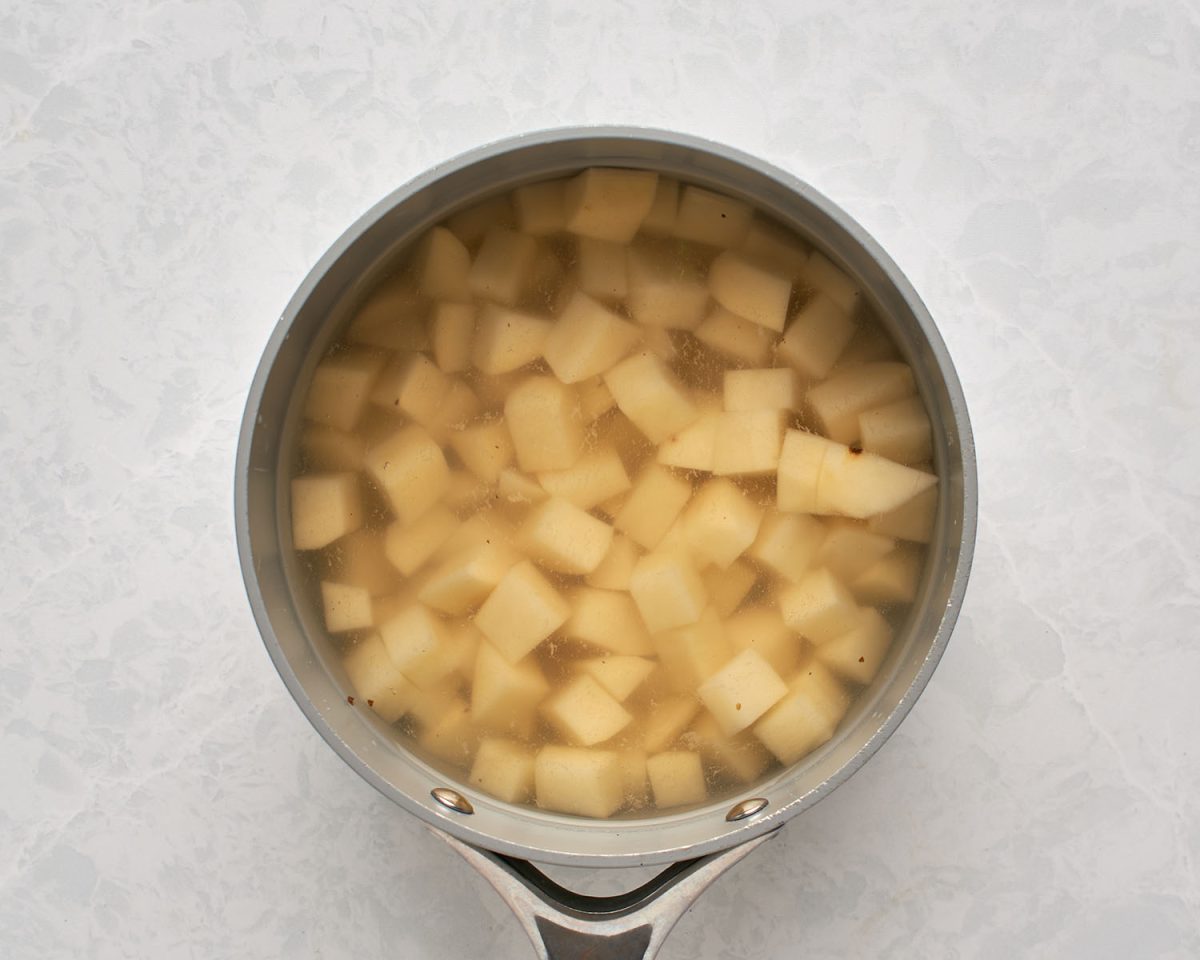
<point>412,385</point>
<point>651,396</point>
<point>720,522</point>
<point>746,289</point>
<point>579,780</point>
<point>459,407</point>
<point>341,387</point>
<point>806,717</point>
<point>660,221</point>
<point>513,487</point>
<point>692,447</point>
<point>360,559</point>
<point>663,290</point>
<point>607,619</point>
<point>762,630</point>
<point>390,319</point>
<point>633,777</point>
<point>892,579</point>
<point>484,530</point>
<point>899,431</point>
<point>505,267</point>
<point>775,249</point>
<point>667,590</point>
<point>735,338</point>
<point>773,389</point>
<point>609,204</point>
<point>465,493</point>
<point>416,640</point>
<point>441,265</point>
<point>741,691</point>
<point>712,218</point>
<point>849,548</point>
<point>587,340</point>
<point>505,696</point>
<point>816,337</point>
<point>452,736</point>
<point>619,675</point>
<point>463,580</point>
<point>410,470</point>
<point>346,606</point>
<point>594,478</point>
<point>676,778</point>
<point>325,506</point>
<point>833,282</point>
<point>471,224</point>
<point>601,269</point>
<point>503,768</point>
<point>327,448</point>
<point>545,423</point>
<point>521,612</point>
<point>376,681</point>
<point>691,654</point>
<point>728,588</point>
<point>869,344</point>
<point>451,330</point>
<point>584,713</point>
<point>742,756</point>
<point>484,448</point>
<point>655,501</point>
<point>788,543</point>
<point>838,401</point>
<point>858,654</point>
<point>747,442</point>
<point>561,537</point>
<point>666,720</point>
<point>862,485</point>
<point>615,569</point>
<point>539,207</point>
<point>494,390</point>
<point>818,607</point>
<point>799,477</point>
<point>595,399</point>
<point>507,339</point>
<point>912,520</point>
<point>463,641</point>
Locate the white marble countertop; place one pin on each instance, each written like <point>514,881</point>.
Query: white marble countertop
<point>168,173</point>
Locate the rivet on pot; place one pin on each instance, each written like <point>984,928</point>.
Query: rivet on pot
<point>746,808</point>
<point>453,799</point>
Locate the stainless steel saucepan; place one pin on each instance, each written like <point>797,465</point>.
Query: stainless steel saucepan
<point>497,838</point>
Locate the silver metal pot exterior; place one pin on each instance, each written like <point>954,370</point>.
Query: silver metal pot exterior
<point>290,624</point>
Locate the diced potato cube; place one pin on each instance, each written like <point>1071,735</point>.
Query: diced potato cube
<point>663,290</point>
<point>806,717</point>
<point>666,720</point>
<point>607,619</point>
<point>327,448</point>
<point>376,680</point>
<point>484,448</point>
<point>341,388</point>
<point>762,630</point>
<point>660,221</point>
<point>595,399</point>
<point>410,470</point>
<point>692,653</point>
<point>521,612</point>
<point>459,407</point>
<point>746,289</point>
<point>676,778</point>
<point>667,590</point>
<point>692,447</point>
<point>787,543</point>
<point>912,520</point>
<point>838,401</point>
<point>472,223</point>
<point>818,607</point>
<point>655,501</point>
<point>412,385</point>
<point>465,493</point>
<point>416,640</point>
<point>899,431</point>
<point>452,736</point>
<point>619,675</point>
<point>506,696</point>
<point>503,768</point>
<point>585,713</point>
<point>360,559</point>
<point>773,389</point>
<point>831,281</point>
<point>462,645</point>
<point>720,522</point>
<point>441,265</point>
<point>346,606</point>
<point>858,654</point>
<point>579,780</point>
<point>451,330</point>
<point>743,756</point>
<point>615,569</point>
<point>609,204</point>
<point>651,396</point>
<point>462,581</point>
<point>862,485</point>
<point>494,390</point>
<point>587,340</point>
<point>390,320</point>
<point>893,579</point>
<point>849,548</point>
<point>513,487</point>
<point>816,337</point>
<point>728,588</point>
<point>561,537</point>
<point>505,267</point>
<point>659,342</point>
<point>775,249</point>
<point>594,478</point>
<point>800,463</point>
<point>325,506</point>
<point>741,691</point>
<point>633,777</point>
<point>738,339</point>
<point>747,442</point>
<point>539,207</point>
<point>507,339</point>
<point>712,218</point>
<point>601,269</point>
<point>869,344</point>
<point>545,423</point>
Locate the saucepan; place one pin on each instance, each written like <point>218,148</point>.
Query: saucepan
<point>500,839</point>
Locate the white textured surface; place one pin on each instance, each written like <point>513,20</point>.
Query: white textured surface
<point>168,172</point>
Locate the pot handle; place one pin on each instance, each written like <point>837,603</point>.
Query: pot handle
<point>565,925</point>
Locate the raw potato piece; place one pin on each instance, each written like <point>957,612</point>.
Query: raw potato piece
<point>341,387</point>
<point>676,778</point>
<point>601,269</point>
<point>691,654</point>
<point>858,654</point>
<point>651,396</point>
<point>451,736</point>
<point>831,281</point>
<point>470,225</point>
<point>513,487</point>
<point>747,443</point>
<point>585,713</point>
<point>595,399</point>
<point>741,691</point>
<point>633,777</point>
<point>861,485</point>
<point>734,337</point>
<point>390,320</point>
<point>912,520</point>
<point>413,386</point>
<point>327,448</point>
<point>818,607</point>
<point>762,630</point>
<point>609,204</point>
<point>720,523</point>
<point>654,502</point>
<point>868,345</point>
<point>587,340</point>
<point>459,407</point>
<point>728,588</point>
<point>663,290</point>
<point>346,606</point>
<point>616,567</point>
<point>545,424</point>
<point>540,209</point>
<point>607,619</point>
<point>507,339</point>
<point>441,266</point>
<point>750,291</point>
<point>579,780</point>
<point>325,506</point>
<point>692,448</point>
<point>376,681</point>
<point>410,470</point>
<point>465,492</point>
<point>850,548</point>
<point>667,590</point>
<point>775,389</point>
<point>463,580</point>
<point>418,644</point>
<point>893,579</point>
<point>800,463</point>
<point>360,559</point>
<point>521,612</point>
<point>485,449</point>
<point>563,538</point>
<point>788,543</point>
<point>505,268</point>
<point>712,218</point>
<point>595,477</point>
<point>660,221</point>
<point>666,721</point>
<point>899,431</point>
<point>503,768</point>
<point>816,337</point>
<point>743,756</point>
<point>619,675</point>
<point>451,330</point>
<point>505,696</point>
<point>806,717</point>
<point>775,249</point>
<point>838,401</point>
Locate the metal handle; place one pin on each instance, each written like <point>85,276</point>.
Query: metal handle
<point>565,925</point>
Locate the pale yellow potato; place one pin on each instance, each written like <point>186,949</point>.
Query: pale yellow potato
<point>390,319</point>
<point>787,543</point>
<point>712,218</point>
<point>667,590</point>
<point>619,675</point>
<point>607,619</point>
<point>441,264</point>
<point>720,522</point>
<point>821,274</point>
<point>735,337</point>
<point>539,207</point>
<point>507,339</point>
<point>452,737</point>
<point>584,713</point>
<point>728,588</point>
<point>609,203</point>
<point>595,477</point>
<point>666,720</point>
<point>663,290</point>
<point>868,345</point>
<point>775,249</point>
<point>595,399</point>
<point>341,388</point>
<point>849,548</point>
<point>615,569</point>
<point>412,385</point>
<point>893,579</point>
<point>601,268</point>
<point>692,653</point>
<point>747,442</point>
<point>463,580</point>
<point>806,717</point>
<point>485,448</point>
<point>505,268</point>
<point>762,629</point>
<point>899,431</point>
<point>861,485</point>
<point>581,780</point>
<point>465,493</point>
<point>770,389</point>
<point>588,339</point>
<point>325,506</point>
<point>521,612</point>
<point>799,474</point>
<point>912,520</point>
<point>660,221</point>
<point>451,331</point>
<point>746,289</point>
<point>346,607</point>
<point>410,470</point>
<point>819,607</point>
<point>471,224</point>
<point>514,488</point>
<point>561,537</point>
<point>360,559</point>
<point>741,691</point>
<point>676,778</point>
<point>743,756</point>
<point>416,639</point>
<point>837,402</point>
<point>376,681</point>
<point>651,396</point>
<point>503,768</point>
<point>858,653</point>
<point>656,499</point>
<point>545,423</point>
<point>505,696</point>
<point>460,406</point>
<point>633,777</point>
<point>816,337</point>
<point>325,448</point>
